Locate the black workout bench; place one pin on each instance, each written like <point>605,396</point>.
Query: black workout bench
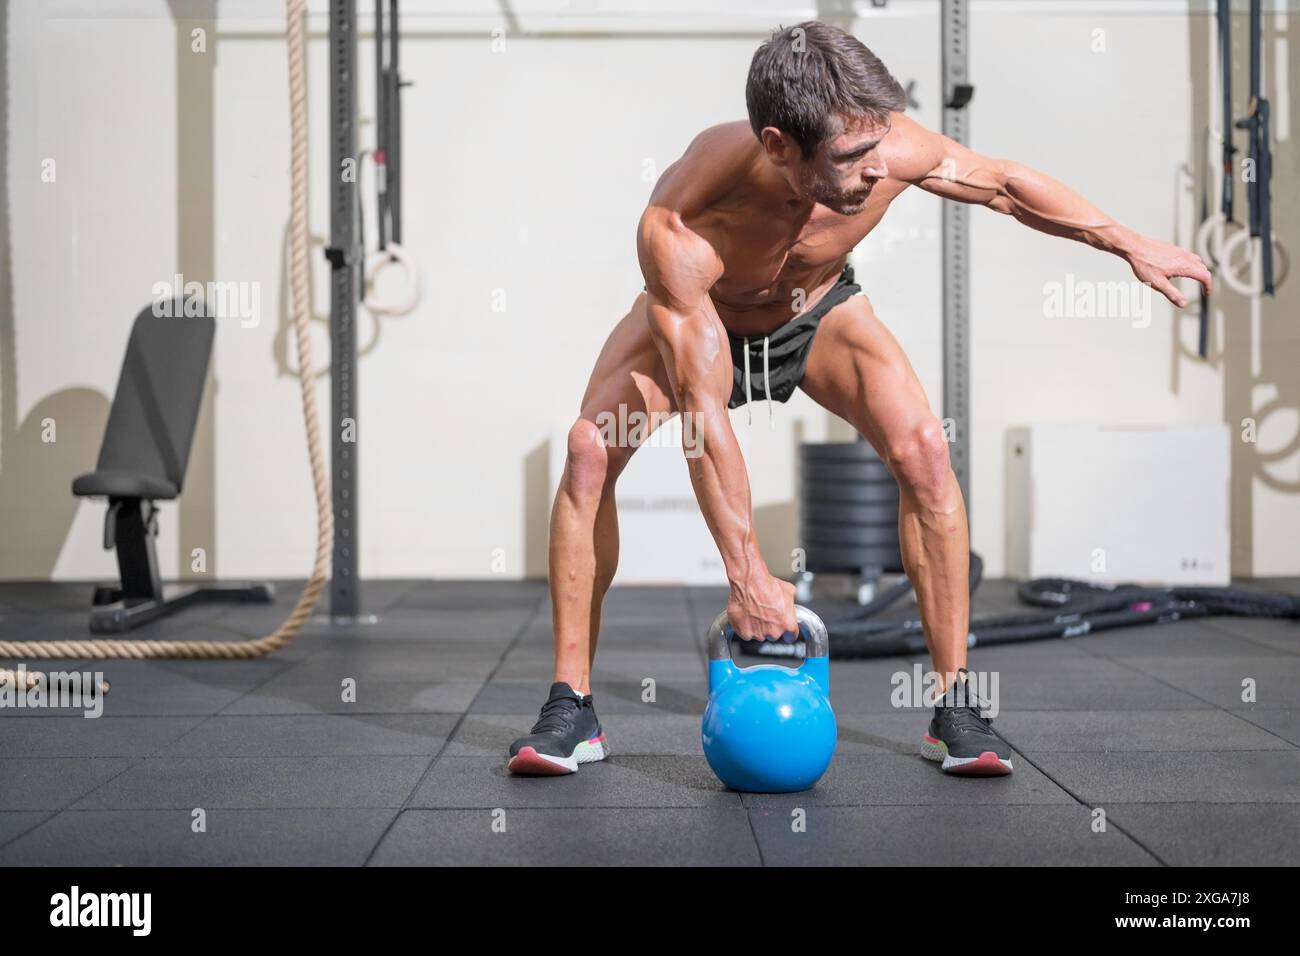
<point>143,459</point>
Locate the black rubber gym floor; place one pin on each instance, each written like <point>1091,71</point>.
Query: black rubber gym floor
<point>1146,724</point>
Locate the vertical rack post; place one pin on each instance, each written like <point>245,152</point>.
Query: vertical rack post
<point>388,124</point>
<point>957,93</point>
<point>382,107</point>
<point>393,146</point>
<point>344,255</point>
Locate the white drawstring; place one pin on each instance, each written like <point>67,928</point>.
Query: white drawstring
<point>749,409</point>
<point>767,386</point>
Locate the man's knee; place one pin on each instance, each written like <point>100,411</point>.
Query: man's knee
<point>919,460</point>
<point>591,466</point>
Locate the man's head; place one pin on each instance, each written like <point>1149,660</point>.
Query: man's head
<point>819,101</point>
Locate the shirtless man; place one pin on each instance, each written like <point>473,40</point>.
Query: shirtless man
<point>743,247</point>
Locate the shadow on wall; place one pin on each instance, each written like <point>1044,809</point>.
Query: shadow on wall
<point>537,510</point>
<point>1260,348</point>
<point>57,440</point>
<point>778,534</point>
<point>196,260</point>
<point>777,525</point>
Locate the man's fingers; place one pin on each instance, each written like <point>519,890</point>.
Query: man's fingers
<point>1166,288</point>
<point>1202,275</point>
<point>749,635</point>
<point>1196,269</point>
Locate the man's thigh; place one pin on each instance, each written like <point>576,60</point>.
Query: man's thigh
<point>858,371</point>
<point>629,377</point>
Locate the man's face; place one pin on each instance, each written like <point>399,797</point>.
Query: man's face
<point>845,168</point>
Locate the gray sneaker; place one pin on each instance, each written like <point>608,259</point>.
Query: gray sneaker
<point>566,734</point>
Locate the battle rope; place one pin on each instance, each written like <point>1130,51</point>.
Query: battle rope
<point>300,275</point>
<point>1078,608</point>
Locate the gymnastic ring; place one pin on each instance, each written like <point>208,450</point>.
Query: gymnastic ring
<point>1231,278</point>
<point>1204,233</point>
<point>375,263</point>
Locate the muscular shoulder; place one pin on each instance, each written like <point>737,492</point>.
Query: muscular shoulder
<point>717,160</point>
<point>678,257</point>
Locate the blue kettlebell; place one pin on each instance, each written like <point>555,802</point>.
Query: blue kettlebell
<point>769,728</point>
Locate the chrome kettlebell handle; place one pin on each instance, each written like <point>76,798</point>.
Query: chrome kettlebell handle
<point>810,626</point>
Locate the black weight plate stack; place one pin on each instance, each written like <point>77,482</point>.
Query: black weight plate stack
<point>848,509</point>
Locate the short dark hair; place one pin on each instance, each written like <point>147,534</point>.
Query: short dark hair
<point>802,76</point>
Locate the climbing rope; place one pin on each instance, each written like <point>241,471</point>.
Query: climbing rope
<point>299,279</point>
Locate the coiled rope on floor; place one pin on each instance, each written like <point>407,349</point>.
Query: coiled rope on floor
<point>102,648</point>
<point>1076,608</point>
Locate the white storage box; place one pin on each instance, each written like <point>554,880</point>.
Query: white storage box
<point>662,534</point>
<point>1118,504</point>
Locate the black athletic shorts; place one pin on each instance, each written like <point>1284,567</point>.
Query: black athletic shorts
<point>787,349</point>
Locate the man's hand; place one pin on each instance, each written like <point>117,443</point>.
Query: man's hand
<point>1159,262</point>
<point>762,608</point>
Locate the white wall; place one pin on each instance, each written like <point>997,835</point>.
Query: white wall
<point>92,106</point>
<point>525,172</point>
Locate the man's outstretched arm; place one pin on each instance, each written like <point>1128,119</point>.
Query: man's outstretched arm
<point>946,168</point>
